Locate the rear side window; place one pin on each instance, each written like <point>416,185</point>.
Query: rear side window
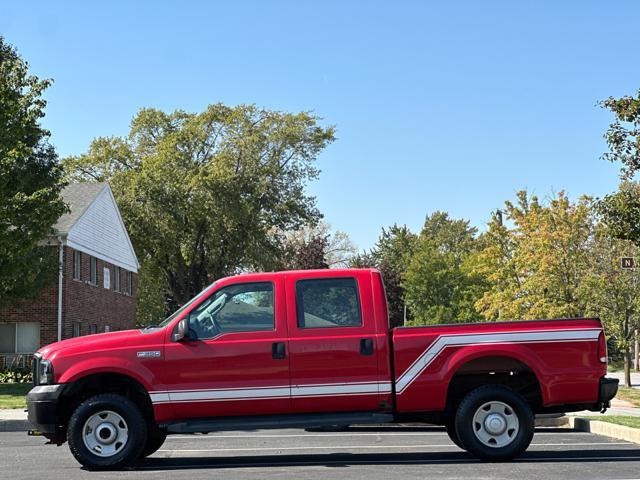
<point>328,302</point>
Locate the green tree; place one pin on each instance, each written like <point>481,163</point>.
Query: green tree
<point>30,182</point>
<point>535,267</point>
<point>623,135</point>
<point>391,255</point>
<point>439,283</point>
<point>202,193</point>
<point>613,294</point>
<point>620,210</point>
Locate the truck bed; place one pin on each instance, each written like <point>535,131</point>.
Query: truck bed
<point>426,359</point>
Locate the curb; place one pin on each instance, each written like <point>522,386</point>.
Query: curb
<point>14,426</point>
<point>553,422</point>
<point>607,429</point>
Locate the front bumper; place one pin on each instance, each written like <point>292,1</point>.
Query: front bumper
<point>42,407</point>
<point>608,390</point>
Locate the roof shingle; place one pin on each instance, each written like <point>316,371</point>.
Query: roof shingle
<point>78,196</point>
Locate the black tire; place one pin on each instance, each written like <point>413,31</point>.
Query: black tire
<point>516,408</point>
<point>155,438</point>
<point>451,431</point>
<point>135,425</point>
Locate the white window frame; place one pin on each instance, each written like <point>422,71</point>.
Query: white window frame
<point>93,270</point>
<point>15,338</point>
<point>106,278</point>
<point>77,265</point>
<point>128,283</point>
<point>116,279</point>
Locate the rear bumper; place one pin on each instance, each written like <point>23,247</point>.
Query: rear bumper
<point>42,407</point>
<point>608,390</point>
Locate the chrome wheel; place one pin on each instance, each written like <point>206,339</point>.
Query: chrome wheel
<point>105,433</point>
<point>495,424</point>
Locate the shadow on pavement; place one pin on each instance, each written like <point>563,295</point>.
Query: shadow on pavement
<point>349,459</point>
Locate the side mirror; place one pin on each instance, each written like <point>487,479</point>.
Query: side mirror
<point>182,331</point>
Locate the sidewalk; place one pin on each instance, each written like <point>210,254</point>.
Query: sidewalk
<point>635,378</point>
<point>14,420</point>
<point>618,408</point>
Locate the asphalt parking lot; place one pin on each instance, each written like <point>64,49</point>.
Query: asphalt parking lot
<point>360,452</point>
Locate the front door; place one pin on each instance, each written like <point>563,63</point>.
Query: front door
<point>333,344</point>
<point>236,360</point>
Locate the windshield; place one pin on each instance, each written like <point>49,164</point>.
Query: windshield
<point>168,320</point>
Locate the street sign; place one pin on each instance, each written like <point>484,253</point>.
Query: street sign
<point>628,263</point>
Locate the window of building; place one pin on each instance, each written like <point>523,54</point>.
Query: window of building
<point>245,307</point>
<point>106,278</point>
<point>116,279</point>
<point>328,302</point>
<point>93,270</point>
<point>76,329</point>
<point>77,265</point>
<point>93,329</point>
<point>19,337</point>
<point>107,328</point>
<point>129,283</point>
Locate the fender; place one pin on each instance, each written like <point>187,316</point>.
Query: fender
<point>520,353</point>
<point>108,364</point>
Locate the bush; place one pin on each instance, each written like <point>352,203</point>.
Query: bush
<point>16,375</point>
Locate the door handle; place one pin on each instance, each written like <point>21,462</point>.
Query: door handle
<point>366,346</point>
<point>278,351</point>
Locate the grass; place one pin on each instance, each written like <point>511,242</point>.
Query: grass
<point>615,368</point>
<point>633,422</point>
<point>631,395</point>
<point>13,395</point>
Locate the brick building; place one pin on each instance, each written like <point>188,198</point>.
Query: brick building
<point>96,289</point>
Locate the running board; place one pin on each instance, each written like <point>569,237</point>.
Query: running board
<point>305,420</point>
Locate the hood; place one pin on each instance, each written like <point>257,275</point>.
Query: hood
<point>101,341</point>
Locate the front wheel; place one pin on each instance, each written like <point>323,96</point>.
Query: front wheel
<point>494,423</point>
<point>107,432</point>
<point>155,439</point>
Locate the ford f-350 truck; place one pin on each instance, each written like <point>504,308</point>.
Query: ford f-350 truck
<point>306,349</point>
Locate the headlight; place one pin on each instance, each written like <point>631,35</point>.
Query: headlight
<point>45,373</point>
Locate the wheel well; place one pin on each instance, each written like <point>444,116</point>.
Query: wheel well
<point>78,391</point>
<point>496,370</point>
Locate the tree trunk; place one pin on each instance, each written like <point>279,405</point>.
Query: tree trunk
<point>627,367</point>
<point>627,351</point>
<point>636,353</point>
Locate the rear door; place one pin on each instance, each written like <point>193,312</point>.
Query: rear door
<point>332,343</point>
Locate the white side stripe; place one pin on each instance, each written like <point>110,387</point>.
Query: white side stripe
<point>297,391</point>
<point>444,341</point>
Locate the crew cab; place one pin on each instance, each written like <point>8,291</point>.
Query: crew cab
<point>306,349</point>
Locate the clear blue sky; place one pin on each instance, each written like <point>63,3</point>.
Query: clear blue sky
<point>444,105</point>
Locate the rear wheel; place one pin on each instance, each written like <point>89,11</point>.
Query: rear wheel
<point>107,432</point>
<point>494,423</point>
<point>451,431</point>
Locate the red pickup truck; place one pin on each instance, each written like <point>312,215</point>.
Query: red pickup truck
<point>306,349</point>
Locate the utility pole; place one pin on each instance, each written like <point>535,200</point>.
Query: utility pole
<point>499,218</point>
